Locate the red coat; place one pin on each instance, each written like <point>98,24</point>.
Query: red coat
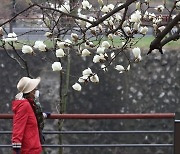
<point>25,129</point>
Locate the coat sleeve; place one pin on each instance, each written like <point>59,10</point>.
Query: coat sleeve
<point>19,124</point>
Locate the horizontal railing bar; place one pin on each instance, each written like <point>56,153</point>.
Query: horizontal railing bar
<point>111,145</point>
<point>98,132</point>
<point>100,145</point>
<point>5,132</point>
<point>104,132</point>
<point>105,116</point>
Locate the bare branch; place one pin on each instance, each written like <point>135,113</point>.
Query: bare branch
<point>173,37</point>
<point>125,5</point>
<point>18,14</point>
<point>156,43</point>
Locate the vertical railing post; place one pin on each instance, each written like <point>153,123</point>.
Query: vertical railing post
<point>177,134</point>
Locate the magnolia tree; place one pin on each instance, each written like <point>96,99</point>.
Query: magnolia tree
<point>100,32</point>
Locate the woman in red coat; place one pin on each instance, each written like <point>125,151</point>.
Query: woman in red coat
<point>25,135</point>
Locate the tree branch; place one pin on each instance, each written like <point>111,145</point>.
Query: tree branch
<point>156,43</point>
<point>173,37</point>
<point>125,5</point>
<point>120,25</point>
<point>18,14</point>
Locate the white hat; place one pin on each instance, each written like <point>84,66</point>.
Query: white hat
<point>26,84</point>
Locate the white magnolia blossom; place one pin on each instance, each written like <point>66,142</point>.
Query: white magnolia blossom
<point>146,14</point>
<point>110,7</point>
<point>65,8</point>
<point>123,43</point>
<point>138,59</point>
<point>82,22</point>
<point>147,1</point>
<point>88,25</point>
<point>136,26</point>
<point>118,16</point>
<point>27,49</point>
<point>138,5</point>
<point>174,16</point>
<point>137,53</point>
<point>80,80</point>
<point>89,44</point>
<point>86,4</point>
<point>93,30</point>
<point>152,16</point>
<point>144,30</point>
<point>56,66</point>
<point>178,4</point>
<point>161,28</point>
<point>60,53</point>
<point>12,37</point>
<point>100,50</point>
<point>101,2</point>
<point>113,55</point>
<point>94,78</point>
<point>98,58</point>
<point>135,17</point>
<point>100,27</point>
<point>105,44</point>
<point>85,53</point>
<point>155,26</point>
<point>87,71</point>
<point>127,30</point>
<point>48,34</point>
<point>1,32</point>
<point>104,68</point>
<point>110,36</point>
<point>92,19</point>
<point>157,20</point>
<point>128,68</point>
<point>68,41</point>
<point>106,22</point>
<point>125,24</point>
<point>74,36</point>
<point>120,68</point>
<point>61,45</point>
<point>40,45</point>
<point>105,9</point>
<point>122,11</point>
<point>83,78</point>
<point>51,5</point>
<point>160,8</point>
<point>77,87</point>
<point>111,21</point>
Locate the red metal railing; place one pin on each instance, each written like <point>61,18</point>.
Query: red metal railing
<point>105,116</point>
<point>172,116</point>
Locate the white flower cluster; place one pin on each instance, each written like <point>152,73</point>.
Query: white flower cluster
<point>87,76</point>
<point>12,37</point>
<point>121,68</point>
<point>26,49</point>
<point>56,66</point>
<point>101,55</point>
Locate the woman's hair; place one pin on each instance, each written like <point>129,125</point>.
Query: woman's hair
<point>25,95</point>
